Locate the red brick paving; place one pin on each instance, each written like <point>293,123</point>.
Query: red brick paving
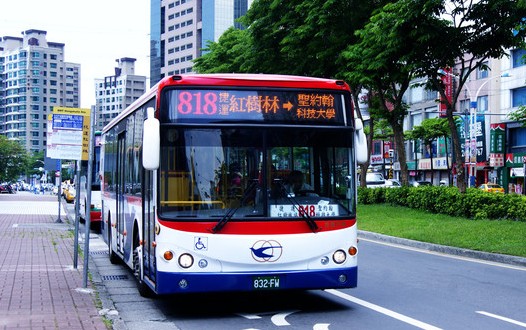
<point>39,289</point>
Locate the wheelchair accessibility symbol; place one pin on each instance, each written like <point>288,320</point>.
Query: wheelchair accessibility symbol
<point>201,243</point>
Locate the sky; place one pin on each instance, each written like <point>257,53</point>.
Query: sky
<point>95,33</point>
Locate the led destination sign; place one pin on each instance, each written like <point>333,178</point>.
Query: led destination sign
<point>279,106</point>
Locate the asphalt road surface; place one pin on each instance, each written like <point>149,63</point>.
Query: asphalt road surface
<point>398,288</point>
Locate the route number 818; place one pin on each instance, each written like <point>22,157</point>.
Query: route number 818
<point>197,103</point>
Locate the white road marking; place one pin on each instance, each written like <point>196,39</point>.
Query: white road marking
<point>383,310</point>
<point>321,326</point>
<point>249,316</point>
<point>279,319</point>
<point>480,261</point>
<point>502,318</point>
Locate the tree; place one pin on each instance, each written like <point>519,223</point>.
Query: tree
<point>226,55</point>
<point>409,39</point>
<point>462,34</point>
<point>430,130</point>
<point>377,62</point>
<point>519,115</point>
<point>13,159</point>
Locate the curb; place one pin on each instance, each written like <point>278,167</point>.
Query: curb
<point>98,286</point>
<point>494,257</point>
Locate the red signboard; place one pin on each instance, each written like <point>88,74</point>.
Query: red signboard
<point>447,80</point>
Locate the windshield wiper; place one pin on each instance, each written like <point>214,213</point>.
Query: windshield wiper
<point>230,213</point>
<point>311,223</point>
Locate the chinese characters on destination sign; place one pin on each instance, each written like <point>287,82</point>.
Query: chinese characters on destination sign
<point>311,210</point>
<point>256,105</point>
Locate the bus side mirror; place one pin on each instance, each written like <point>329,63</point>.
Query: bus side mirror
<point>360,142</point>
<point>151,142</point>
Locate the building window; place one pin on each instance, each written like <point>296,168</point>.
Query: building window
<point>518,97</point>
<point>482,73</point>
<point>518,137</point>
<point>377,148</point>
<point>517,57</point>
<point>482,103</point>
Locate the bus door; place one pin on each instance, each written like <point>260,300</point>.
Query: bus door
<point>148,229</point>
<point>120,226</point>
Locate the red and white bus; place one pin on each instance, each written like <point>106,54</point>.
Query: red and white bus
<point>95,205</point>
<point>195,184</point>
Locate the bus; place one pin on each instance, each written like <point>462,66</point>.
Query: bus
<point>195,172</point>
<point>95,205</point>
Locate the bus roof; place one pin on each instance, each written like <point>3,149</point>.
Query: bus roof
<point>233,79</point>
<point>255,80</point>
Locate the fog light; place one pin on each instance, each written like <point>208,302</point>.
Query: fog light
<point>342,278</point>
<point>168,255</point>
<point>186,260</point>
<point>324,260</point>
<point>339,257</point>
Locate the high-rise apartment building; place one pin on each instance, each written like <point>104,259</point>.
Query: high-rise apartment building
<point>115,93</point>
<point>180,29</point>
<point>33,79</point>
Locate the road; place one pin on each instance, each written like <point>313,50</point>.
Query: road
<point>398,288</point>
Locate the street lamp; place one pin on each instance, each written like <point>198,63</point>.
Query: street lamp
<point>471,147</point>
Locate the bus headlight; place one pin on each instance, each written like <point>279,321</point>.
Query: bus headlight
<point>339,257</point>
<point>186,260</point>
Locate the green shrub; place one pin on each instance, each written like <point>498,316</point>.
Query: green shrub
<point>474,204</point>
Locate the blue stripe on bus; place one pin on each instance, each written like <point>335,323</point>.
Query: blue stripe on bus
<point>206,282</point>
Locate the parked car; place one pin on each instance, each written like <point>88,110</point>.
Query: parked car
<point>421,183</point>
<point>374,180</point>
<point>392,183</point>
<point>491,187</point>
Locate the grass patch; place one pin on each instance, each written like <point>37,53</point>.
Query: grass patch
<point>495,236</point>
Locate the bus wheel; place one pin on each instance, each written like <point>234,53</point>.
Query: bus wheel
<point>143,289</point>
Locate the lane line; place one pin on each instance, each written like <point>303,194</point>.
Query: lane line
<point>279,319</point>
<point>382,310</point>
<point>321,326</point>
<point>502,318</point>
<point>436,253</point>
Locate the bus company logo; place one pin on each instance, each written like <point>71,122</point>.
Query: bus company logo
<point>266,251</point>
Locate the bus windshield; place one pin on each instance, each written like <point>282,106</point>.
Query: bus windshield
<point>285,172</point>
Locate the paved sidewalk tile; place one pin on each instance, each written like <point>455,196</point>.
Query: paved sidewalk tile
<point>39,288</point>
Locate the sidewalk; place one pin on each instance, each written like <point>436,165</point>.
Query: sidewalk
<point>39,288</point>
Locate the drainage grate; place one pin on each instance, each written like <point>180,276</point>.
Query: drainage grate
<point>99,252</point>
<point>114,277</point>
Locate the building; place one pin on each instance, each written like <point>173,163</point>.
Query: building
<point>115,93</point>
<point>34,78</point>
<point>181,29</point>
<point>497,145</point>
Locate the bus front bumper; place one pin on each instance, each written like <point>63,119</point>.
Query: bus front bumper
<point>168,283</point>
